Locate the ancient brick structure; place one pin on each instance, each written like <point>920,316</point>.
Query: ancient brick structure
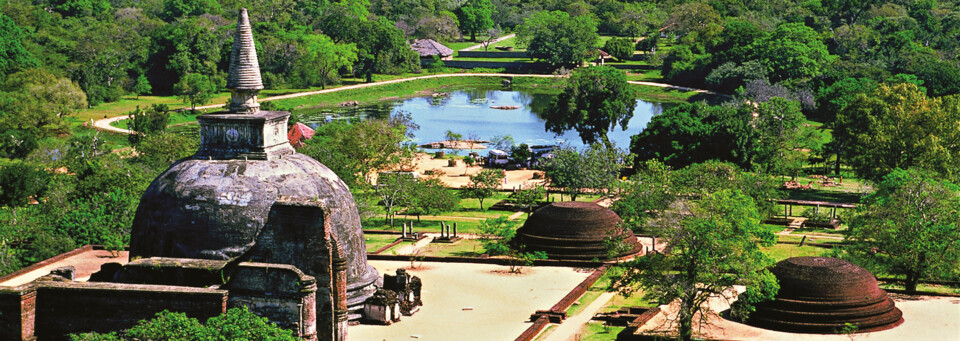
<point>246,221</point>
<point>821,295</point>
<point>575,230</point>
<point>220,203</point>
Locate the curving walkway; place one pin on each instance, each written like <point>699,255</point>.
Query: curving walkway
<point>474,47</point>
<point>104,124</point>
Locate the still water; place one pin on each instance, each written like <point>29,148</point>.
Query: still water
<point>469,113</point>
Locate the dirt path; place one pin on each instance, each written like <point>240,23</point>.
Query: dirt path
<point>570,327</point>
<point>104,124</point>
<point>474,47</point>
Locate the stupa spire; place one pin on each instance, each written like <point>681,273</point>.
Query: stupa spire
<point>244,80</point>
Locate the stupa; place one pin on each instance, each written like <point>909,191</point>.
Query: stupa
<point>575,230</point>
<point>822,295</point>
<point>215,204</point>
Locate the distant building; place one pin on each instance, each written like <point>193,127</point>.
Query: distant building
<point>427,48</point>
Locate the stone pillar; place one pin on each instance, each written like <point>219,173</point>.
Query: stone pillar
<point>308,311</point>
<point>454,230</point>
<point>403,231</point>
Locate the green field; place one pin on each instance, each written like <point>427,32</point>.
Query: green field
<point>376,241</point>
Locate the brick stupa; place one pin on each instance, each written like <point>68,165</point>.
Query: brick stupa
<point>575,230</point>
<point>821,295</point>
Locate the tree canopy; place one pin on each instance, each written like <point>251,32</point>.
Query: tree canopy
<point>909,228</point>
<point>595,100</point>
<point>558,39</point>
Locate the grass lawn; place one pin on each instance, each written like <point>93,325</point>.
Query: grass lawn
<point>376,241</point>
<point>510,42</point>
<point>780,252</point>
<point>943,289</point>
<point>645,76</point>
<point>459,45</point>
<point>597,331</point>
<point>503,60</point>
<point>424,225</point>
<point>462,248</point>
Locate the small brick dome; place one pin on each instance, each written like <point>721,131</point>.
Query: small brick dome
<point>574,230</point>
<point>820,295</point>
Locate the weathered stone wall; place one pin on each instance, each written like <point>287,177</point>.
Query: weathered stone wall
<point>17,312</point>
<point>281,293</point>
<point>74,307</point>
<point>492,54</point>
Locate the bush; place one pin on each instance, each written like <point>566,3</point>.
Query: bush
<point>17,144</point>
<point>19,182</point>
<point>620,48</point>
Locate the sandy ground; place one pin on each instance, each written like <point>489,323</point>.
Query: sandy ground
<point>459,175</point>
<point>85,263</point>
<point>925,318</point>
<point>463,301</point>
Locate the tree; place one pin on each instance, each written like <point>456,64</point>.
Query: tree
<point>382,48</point>
<point>596,99</point>
<point>13,55</point>
<point>159,151</point>
<point>483,185</point>
<point>236,324</point>
<point>19,182</point>
<point>528,197</point>
<point>593,169</point>
<point>17,144</point>
<point>147,121</point>
<point>497,234</point>
<point>521,153</point>
<point>431,196</point>
<point>196,89</point>
<point>909,227</point>
<point>173,9</point>
<point>620,48</point>
<point>897,126</point>
<point>501,142</point>
<point>356,151</point>
<point>557,39</point>
<point>142,87</point>
<point>475,16</point>
<point>394,189</point>
<point>38,101</point>
<point>792,51</point>
<point>322,58</point>
<point>714,245</point>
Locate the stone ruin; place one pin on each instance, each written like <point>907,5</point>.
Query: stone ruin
<point>822,295</point>
<point>246,221</point>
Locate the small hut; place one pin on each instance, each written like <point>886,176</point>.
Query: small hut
<point>427,48</point>
<point>602,56</point>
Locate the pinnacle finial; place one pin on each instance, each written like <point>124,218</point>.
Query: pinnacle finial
<point>243,79</point>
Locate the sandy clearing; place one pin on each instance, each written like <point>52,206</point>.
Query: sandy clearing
<point>501,303</point>
<point>459,175</point>
<point>925,318</point>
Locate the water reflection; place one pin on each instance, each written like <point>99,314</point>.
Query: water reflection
<point>468,112</point>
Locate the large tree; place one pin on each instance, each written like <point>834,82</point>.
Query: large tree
<point>13,55</point>
<point>38,101</point>
<point>322,59</point>
<point>195,89</point>
<point>595,100</point>
<point>475,16</point>
<point>897,126</point>
<point>792,51</point>
<point>714,244</point>
<point>592,169</point>
<point>356,151</point>
<point>483,185</point>
<point>909,227</point>
<point>558,39</point>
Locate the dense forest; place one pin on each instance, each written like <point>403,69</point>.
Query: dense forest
<point>842,63</point>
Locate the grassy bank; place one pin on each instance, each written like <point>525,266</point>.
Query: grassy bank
<point>413,88</point>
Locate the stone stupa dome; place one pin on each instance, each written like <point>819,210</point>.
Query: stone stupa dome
<point>214,204</point>
<point>821,295</point>
<point>574,230</point>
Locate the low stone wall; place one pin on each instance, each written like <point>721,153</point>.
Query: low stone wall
<point>492,54</point>
<point>75,307</point>
<point>498,261</point>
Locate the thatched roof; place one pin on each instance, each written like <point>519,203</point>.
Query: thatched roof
<point>429,47</point>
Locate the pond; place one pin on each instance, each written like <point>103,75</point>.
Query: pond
<point>468,112</point>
